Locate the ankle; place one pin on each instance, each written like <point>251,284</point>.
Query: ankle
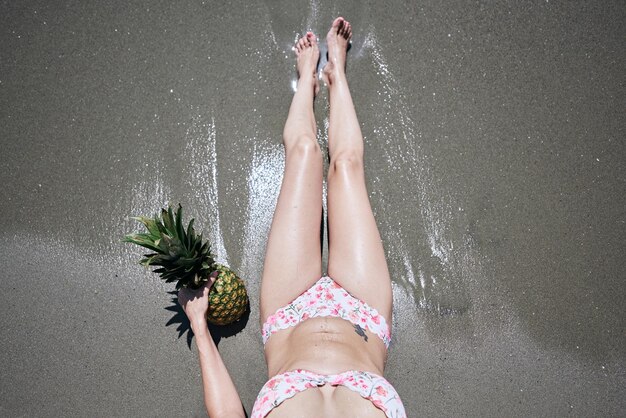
<point>335,77</point>
<point>307,78</point>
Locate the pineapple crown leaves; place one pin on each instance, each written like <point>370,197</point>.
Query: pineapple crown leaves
<point>181,255</point>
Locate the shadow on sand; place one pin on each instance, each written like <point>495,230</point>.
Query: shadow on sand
<point>217,331</point>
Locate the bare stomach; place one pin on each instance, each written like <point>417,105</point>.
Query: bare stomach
<point>325,346</point>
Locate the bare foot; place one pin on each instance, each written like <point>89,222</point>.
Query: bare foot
<point>338,39</point>
<point>307,57</point>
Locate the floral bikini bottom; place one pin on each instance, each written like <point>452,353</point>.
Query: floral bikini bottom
<point>327,298</point>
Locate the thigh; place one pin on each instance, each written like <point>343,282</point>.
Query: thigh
<point>356,258</point>
<point>293,259</point>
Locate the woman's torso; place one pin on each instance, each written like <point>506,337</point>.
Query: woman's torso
<point>325,346</point>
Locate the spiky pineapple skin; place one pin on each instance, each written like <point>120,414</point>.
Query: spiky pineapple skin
<point>228,299</point>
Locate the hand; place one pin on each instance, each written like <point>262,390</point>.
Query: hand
<point>195,303</point>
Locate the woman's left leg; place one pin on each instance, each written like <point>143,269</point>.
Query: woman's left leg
<point>293,259</point>
<point>356,258</point>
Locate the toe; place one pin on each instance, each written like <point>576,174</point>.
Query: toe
<point>311,37</point>
<point>347,30</point>
<point>337,23</point>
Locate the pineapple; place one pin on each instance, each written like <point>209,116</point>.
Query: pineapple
<point>183,257</point>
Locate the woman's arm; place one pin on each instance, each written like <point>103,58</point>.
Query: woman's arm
<point>220,395</point>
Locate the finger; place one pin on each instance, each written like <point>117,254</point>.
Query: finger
<point>213,276</point>
<point>207,289</point>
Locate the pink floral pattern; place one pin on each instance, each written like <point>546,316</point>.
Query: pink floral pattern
<point>327,298</point>
<point>370,386</point>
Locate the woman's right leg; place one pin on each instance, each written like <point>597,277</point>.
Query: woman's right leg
<point>356,258</point>
<point>293,259</point>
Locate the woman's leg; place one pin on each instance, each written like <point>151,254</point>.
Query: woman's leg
<point>293,260</point>
<point>356,258</point>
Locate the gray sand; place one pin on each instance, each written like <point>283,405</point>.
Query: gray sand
<point>495,162</point>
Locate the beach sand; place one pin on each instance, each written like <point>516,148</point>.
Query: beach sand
<point>495,161</point>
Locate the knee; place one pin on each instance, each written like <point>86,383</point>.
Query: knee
<point>346,165</point>
<point>303,148</point>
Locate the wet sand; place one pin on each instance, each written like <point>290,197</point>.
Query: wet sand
<point>495,163</point>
